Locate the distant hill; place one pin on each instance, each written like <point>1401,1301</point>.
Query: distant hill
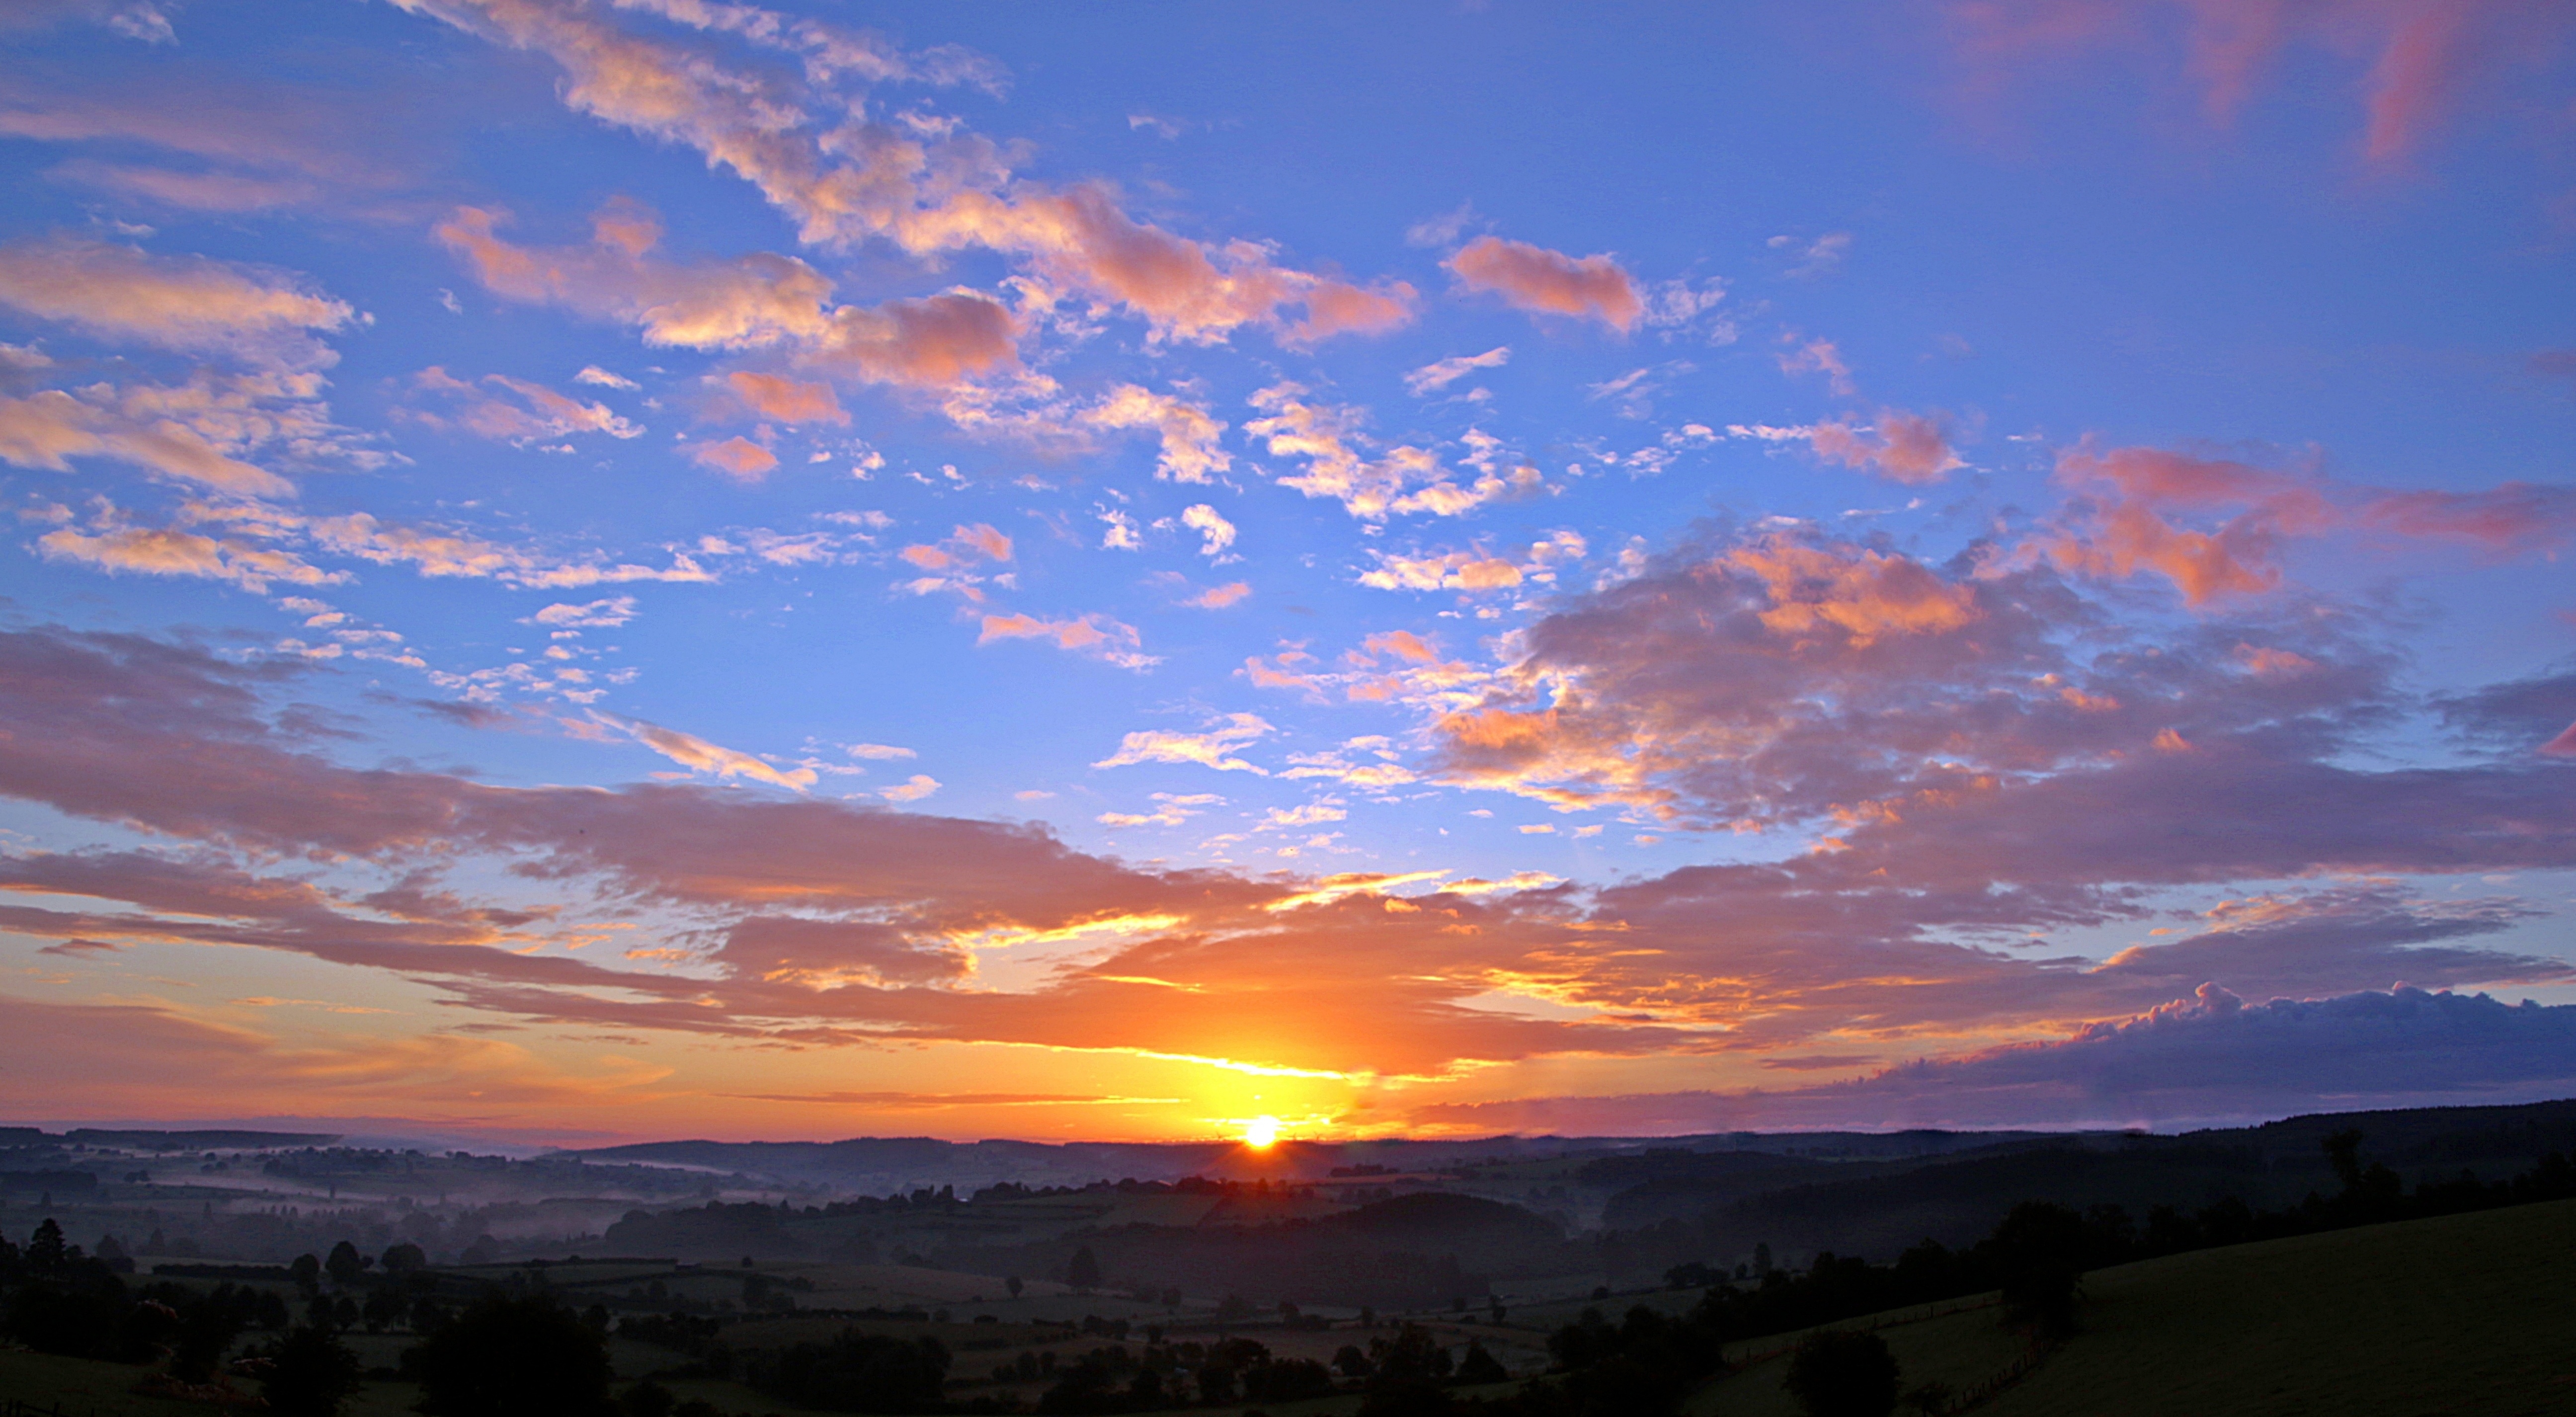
<point>1718,1208</point>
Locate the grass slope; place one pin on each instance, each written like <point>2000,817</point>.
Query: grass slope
<point>2463,1314</point>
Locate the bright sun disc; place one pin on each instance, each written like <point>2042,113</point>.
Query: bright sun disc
<point>1261,1132</point>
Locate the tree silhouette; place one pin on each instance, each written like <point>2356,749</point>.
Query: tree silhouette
<point>2039,1257</point>
<point>345,1264</point>
<point>402,1259</point>
<point>310,1372</point>
<point>1839,1373</point>
<point>46,1253</point>
<point>514,1358</point>
<point>1083,1272</point>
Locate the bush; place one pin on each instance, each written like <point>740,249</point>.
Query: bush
<point>1838,1373</point>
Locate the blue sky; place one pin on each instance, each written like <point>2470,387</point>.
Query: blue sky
<point>1680,493</point>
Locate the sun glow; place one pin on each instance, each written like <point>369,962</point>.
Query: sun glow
<point>1260,1132</point>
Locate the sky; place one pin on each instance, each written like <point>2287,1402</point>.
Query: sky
<point>646,568</point>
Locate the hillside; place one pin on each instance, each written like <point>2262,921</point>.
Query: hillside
<point>2463,1314</point>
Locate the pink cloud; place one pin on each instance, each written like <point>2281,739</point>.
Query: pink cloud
<point>1976,807</point>
<point>738,458</point>
<point>926,193</point>
<point>2426,56</point>
<point>786,400</point>
<point>265,318</point>
<point>1902,447</point>
<point>1549,282</point>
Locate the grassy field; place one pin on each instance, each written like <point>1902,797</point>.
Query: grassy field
<point>1956,1348</point>
<point>2465,1314</point>
<point>2469,1314</point>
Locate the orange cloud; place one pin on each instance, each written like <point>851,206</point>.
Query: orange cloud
<point>2129,532</point>
<point>1550,282</point>
<point>1864,594</point>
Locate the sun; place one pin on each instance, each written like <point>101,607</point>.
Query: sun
<point>1260,1132</point>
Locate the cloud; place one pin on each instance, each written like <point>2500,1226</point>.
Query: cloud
<point>1442,229</point>
<point>1175,809</point>
<point>1819,356</point>
<point>159,429</point>
<point>1189,434</point>
<point>754,302</point>
<point>918,786</point>
<point>1817,257</point>
<point>1549,282</point>
<point>2129,529</point>
<point>1220,597</point>
<point>2426,56</point>
<point>593,374</point>
<point>1892,941</point>
<point>2511,518</point>
<point>1214,749</point>
<point>786,400</point>
<point>964,545</point>
<point>113,545</point>
<point>262,318</point>
<point>1472,570</point>
<point>1902,447</point>
<point>522,412</point>
<point>738,458</point>
<point>1215,532</point>
<point>926,191</point>
<point>1327,437</point>
<point>1094,635</point>
<point>1440,374</point>
<point>447,553</point>
<point>605,614</point>
<point>2207,1058</point>
<point>699,755</point>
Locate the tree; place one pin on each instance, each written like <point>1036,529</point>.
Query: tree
<point>2343,1150</point>
<point>1840,1373</point>
<point>310,1372</point>
<point>345,1264</point>
<point>2039,1257</point>
<point>1480,1366</point>
<point>1083,1271</point>
<point>400,1260</point>
<point>507,1357</point>
<point>46,1253</point>
<point>1015,1284</point>
<point>306,1271</point>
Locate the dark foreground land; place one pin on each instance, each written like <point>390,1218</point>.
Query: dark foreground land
<point>2457,1314</point>
<point>2460,1314</point>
